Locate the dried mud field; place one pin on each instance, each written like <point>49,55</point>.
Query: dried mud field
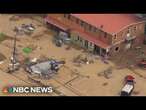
<point>71,80</point>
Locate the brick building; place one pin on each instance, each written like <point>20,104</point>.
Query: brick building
<point>100,33</point>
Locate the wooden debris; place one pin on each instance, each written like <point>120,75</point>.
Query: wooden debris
<point>105,84</point>
<point>106,73</point>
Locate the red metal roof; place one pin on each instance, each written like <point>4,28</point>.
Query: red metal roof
<point>85,35</point>
<point>111,23</point>
<point>56,23</point>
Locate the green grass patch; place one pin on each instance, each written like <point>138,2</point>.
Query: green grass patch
<point>27,50</point>
<point>2,37</point>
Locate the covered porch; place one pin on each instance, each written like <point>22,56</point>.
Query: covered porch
<point>90,42</point>
<point>56,25</point>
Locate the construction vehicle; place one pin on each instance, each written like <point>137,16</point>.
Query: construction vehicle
<point>128,86</point>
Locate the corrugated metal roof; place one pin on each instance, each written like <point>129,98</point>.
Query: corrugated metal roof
<point>56,23</point>
<point>110,23</point>
<point>85,35</point>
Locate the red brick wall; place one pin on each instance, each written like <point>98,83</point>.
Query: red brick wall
<point>109,39</point>
<point>122,34</point>
<point>137,42</point>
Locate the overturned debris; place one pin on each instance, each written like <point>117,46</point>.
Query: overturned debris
<point>35,81</point>
<point>105,84</point>
<point>27,29</point>
<point>61,38</point>
<point>14,18</point>
<point>80,59</point>
<point>44,69</point>
<point>106,73</point>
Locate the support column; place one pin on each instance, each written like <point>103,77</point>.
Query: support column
<point>100,51</point>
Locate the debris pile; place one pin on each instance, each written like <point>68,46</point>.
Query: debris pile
<point>104,59</point>
<point>14,65</point>
<point>81,59</point>
<point>61,38</point>
<point>44,69</point>
<point>68,47</point>
<point>14,18</point>
<point>27,29</point>
<point>105,84</point>
<point>106,73</point>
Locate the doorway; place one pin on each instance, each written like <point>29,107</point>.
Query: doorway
<point>96,50</point>
<point>86,44</point>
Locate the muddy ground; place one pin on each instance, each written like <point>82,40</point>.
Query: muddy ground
<point>72,79</point>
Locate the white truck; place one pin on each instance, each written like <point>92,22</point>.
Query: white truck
<point>128,87</point>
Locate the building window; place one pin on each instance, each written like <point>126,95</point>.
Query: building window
<point>68,16</point>
<point>82,23</point>
<point>135,28</point>
<point>90,28</point>
<point>90,43</point>
<point>117,49</point>
<point>78,38</point>
<point>105,35</point>
<point>95,30</point>
<point>128,31</point>
<point>115,36</point>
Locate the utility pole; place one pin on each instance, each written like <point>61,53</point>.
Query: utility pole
<point>14,65</point>
<point>14,60</point>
